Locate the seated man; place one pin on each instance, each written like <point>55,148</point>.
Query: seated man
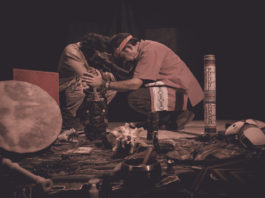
<point>161,81</point>
<point>77,60</point>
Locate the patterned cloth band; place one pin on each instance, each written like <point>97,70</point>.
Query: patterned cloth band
<point>122,45</point>
<point>165,98</point>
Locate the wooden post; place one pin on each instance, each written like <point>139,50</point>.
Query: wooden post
<point>210,94</point>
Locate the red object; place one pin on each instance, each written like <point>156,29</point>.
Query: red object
<point>49,81</point>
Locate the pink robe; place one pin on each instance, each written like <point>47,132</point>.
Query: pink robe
<point>160,64</point>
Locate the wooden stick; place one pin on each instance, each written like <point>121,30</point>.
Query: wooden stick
<point>148,155</point>
<point>46,184</point>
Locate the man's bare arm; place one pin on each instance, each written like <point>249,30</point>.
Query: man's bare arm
<point>126,85</point>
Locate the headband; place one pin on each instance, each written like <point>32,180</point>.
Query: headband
<point>122,45</point>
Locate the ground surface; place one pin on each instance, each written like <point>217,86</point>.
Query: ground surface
<point>188,165</point>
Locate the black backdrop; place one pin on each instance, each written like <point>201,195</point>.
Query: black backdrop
<point>33,34</point>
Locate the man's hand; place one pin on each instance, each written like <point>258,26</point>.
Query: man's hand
<point>93,79</point>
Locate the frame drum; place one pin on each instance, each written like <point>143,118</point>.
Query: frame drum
<point>30,119</point>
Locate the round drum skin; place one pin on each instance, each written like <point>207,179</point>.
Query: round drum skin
<point>30,119</point>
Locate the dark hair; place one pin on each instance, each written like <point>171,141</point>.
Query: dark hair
<point>116,40</point>
<point>96,48</point>
<point>97,51</point>
<point>93,41</point>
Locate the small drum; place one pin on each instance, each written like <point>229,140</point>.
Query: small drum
<point>249,132</point>
<point>251,136</point>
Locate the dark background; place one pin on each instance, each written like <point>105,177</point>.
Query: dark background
<point>34,33</point>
